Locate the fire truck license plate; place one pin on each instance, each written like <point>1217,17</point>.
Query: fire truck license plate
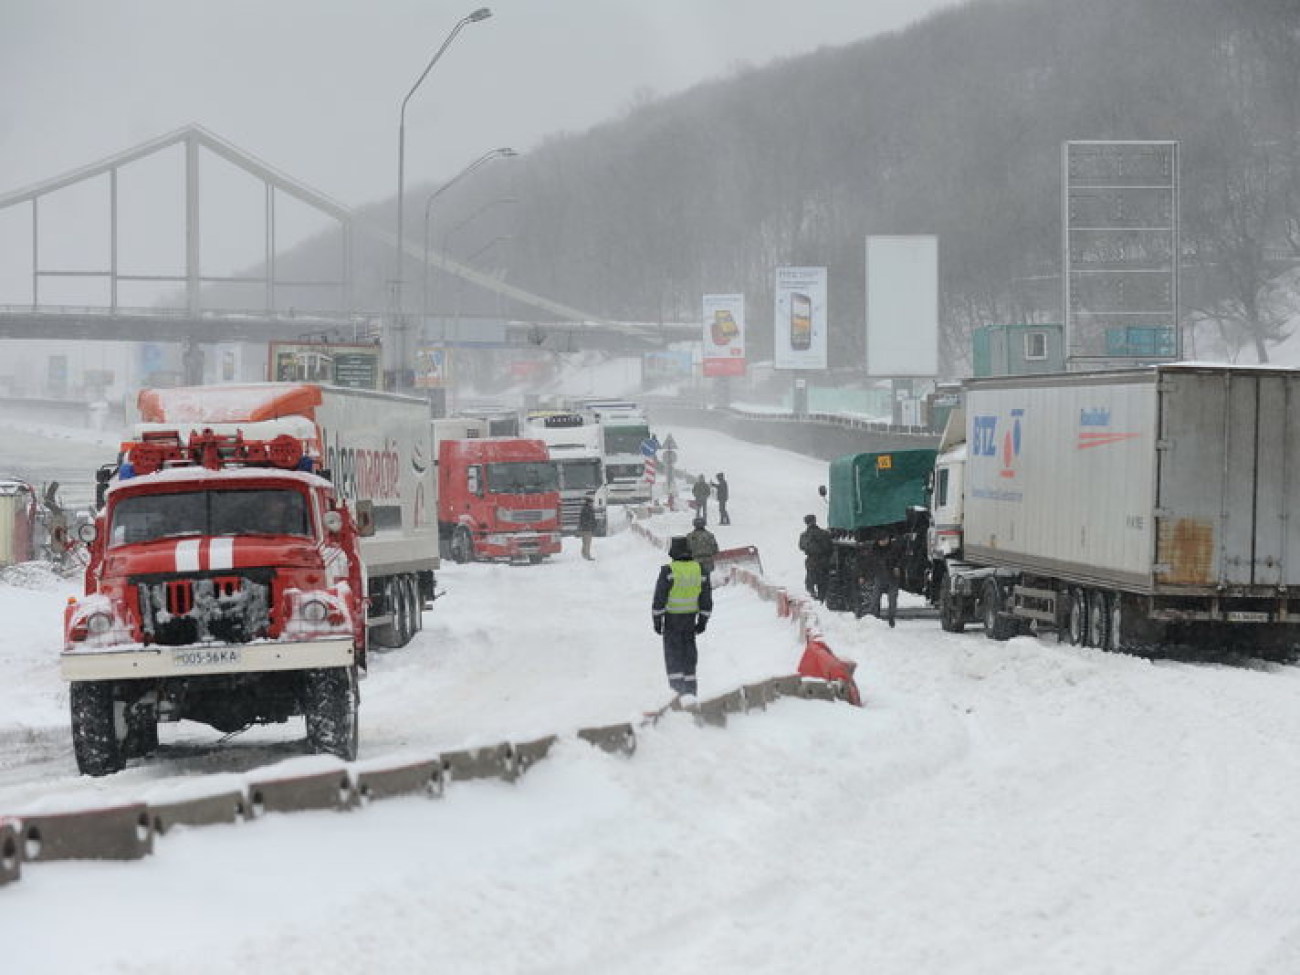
<point>206,656</point>
<point>1242,616</point>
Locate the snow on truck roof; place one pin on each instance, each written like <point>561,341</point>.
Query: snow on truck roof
<point>184,477</point>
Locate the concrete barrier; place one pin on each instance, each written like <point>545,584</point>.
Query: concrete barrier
<point>528,753</point>
<point>116,833</point>
<point>759,695</point>
<point>491,762</point>
<point>614,738</point>
<point>322,790</point>
<point>710,712</point>
<point>11,862</point>
<point>402,780</point>
<point>229,807</point>
<point>818,690</point>
<point>791,686</point>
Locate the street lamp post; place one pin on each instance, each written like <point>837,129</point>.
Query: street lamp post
<point>505,152</point>
<point>482,13</point>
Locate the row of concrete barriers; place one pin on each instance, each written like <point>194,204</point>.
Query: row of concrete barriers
<point>129,831</point>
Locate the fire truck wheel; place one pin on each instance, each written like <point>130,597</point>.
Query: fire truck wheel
<point>330,707</point>
<point>97,741</point>
<point>462,545</point>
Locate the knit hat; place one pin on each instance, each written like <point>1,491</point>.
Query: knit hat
<point>679,548</point>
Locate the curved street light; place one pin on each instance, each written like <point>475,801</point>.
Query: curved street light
<point>505,152</point>
<point>482,13</point>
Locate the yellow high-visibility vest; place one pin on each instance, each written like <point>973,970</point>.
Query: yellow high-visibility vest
<point>684,596</point>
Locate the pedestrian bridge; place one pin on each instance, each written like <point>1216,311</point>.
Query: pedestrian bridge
<point>336,316</point>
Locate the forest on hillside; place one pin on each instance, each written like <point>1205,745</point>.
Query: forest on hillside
<point>952,127</point>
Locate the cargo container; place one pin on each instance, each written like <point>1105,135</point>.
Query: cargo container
<point>1127,508</point>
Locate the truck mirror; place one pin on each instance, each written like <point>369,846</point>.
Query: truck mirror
<point>333,522</point>
<point>87,531</point>
<point>364,515</point>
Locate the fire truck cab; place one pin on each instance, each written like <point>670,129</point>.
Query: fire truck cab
<point>225,586</point>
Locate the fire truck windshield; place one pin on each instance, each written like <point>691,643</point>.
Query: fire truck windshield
<point>146,517</point>
<point>522,478</point>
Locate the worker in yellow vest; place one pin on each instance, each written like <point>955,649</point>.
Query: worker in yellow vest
<point>683,601</point>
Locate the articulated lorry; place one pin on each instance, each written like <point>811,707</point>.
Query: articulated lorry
<point>250,542</point>
<point>574,441</point>
<point>1125,509</point>
<point>498,499</point>
<point>624,428</point>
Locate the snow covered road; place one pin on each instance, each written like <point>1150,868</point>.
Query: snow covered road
<point>1016,807</point>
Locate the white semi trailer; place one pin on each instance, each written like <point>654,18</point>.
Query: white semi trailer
<point>1127,509</point>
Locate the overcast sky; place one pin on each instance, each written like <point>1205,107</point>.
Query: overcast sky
<point>313,87</point>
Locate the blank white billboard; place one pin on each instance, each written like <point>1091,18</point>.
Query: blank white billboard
<point>903,306</point>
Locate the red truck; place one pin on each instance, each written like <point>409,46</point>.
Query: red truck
<point>498,498</point>
<point>249,542</point>
<point>225,586</point>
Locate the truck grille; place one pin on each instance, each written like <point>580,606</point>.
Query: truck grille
<point>526,516</point>
<point>179,610</point>
<point>570,508</point>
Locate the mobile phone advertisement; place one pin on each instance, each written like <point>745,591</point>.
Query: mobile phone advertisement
<point>724,335</point>
<point>800,339</point>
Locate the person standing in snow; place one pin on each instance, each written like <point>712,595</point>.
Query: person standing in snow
<point>700,491</point>
<point>587,526</point>
<point>680,609</point>
<point>816,545</point>
<point>722,491</point>
<point>704,547</point>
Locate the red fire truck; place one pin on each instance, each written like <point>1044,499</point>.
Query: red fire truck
<point>225,586</point>
<point>249,541</point>
<point>498,498</point>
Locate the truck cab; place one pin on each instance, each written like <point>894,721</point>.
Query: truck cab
<point>574,442</point>
<point>498,499</point>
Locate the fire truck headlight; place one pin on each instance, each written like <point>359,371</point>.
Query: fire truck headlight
<point>315,611</point>
<point>97,624</point>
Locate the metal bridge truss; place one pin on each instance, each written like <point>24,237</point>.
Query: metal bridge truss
<point>195,138</point>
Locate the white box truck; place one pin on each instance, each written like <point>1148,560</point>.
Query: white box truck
<point>1128,509</point>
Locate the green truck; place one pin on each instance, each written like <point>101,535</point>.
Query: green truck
<point>874,496</point>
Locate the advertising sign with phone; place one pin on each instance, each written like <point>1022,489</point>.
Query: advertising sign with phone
<point>800,340</point>
<point>724,335</point>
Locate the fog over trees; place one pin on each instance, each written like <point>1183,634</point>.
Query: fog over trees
<point>952,127</point>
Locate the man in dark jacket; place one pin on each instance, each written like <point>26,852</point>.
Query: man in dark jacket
<point>587,525</point>
<point>682,603</point>
<point>816,545</point>
<point>704,547</point>
<point>700,491</point>
<point>722,491</point>
<point>881,568</point>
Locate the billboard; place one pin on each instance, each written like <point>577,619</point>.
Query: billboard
<point>724,335</point>
<point>353,366</point>
<point>799,340</point>
<point>432,367</point>
<point>903,306</point>
<point>1120,250</point>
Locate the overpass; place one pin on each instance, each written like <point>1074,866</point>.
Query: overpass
<point>192,322</point>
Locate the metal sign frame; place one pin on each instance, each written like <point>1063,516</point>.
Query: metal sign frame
<point>1119,250</point>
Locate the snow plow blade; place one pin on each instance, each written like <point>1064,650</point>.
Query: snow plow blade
<point>745,557</point>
